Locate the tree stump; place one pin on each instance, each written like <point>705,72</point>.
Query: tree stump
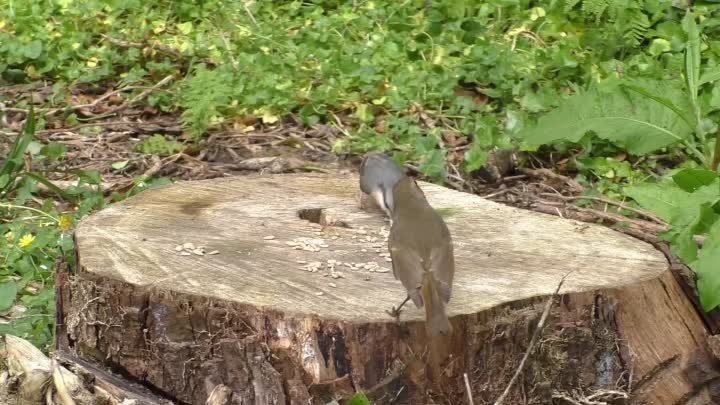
<point>285,305</point>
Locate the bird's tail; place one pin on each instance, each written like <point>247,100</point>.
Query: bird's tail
<point>437,321</point>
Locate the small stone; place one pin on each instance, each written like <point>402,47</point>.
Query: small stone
<point>324,245</point>
<point>185,253</point>
<point>387,259</point>
<point>214,252</point>
<point>290,243</point>
<point>302,261</point>
<point>198,252</point>
<point>377,250</point>
<point>178,248</point>
<point>332,285</point>
<point>189,246</point>
<point>362,232</point>
<point>382,270</point>
<point>269,237</point>
<point>319,293</point>
<point>367,277</point>
<point>363,250</point>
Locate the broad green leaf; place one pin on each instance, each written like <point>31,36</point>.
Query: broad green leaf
<point>692,179</point>
<point>636,122</point>
<point>662,100</point>
<point>660,199</point>
<point>8,291</point>
<point>687,222</point>
<point>709,75</point>
<point>707,269</point>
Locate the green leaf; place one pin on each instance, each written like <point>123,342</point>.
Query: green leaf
<point>659,46</point>
<point>660,199</point>
<point>709,75</point>
<point>359,399</point>
<point>692,179</point>
<point>687,222</point>
<point>14,160</point>
<point>662,100</point>
<point>638,123</point>
<point>692,55</point>
<point>8,291</point>
<point>54,150</point>
<point>120,164</point>
<point>707,270</point>
<point>33,49</point>
<point>475,157</point>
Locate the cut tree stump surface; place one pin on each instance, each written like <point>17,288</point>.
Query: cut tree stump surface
<point>251,325</point>
<point>502,254</point>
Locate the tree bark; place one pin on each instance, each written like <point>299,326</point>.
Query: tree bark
<point>260,321</point>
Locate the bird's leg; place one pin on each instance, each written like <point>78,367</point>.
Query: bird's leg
<point>395,312</point>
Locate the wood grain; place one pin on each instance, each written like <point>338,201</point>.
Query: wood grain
<point>503,254</point>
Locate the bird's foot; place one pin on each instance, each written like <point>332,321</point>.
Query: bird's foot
<point>395,313</point>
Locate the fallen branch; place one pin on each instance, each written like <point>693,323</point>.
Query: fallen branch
<point>618,204</point>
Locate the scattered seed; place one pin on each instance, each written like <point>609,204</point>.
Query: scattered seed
<point>269,237</point>
<point>185,253</point>
<point>319,293</point>
<point>332,285</point>
<point>214,252</point>
<point>301,261</point>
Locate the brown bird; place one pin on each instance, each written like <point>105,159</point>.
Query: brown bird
<point>420,243</point>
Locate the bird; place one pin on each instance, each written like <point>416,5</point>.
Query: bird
<point>420,244</point>
<point>378,176</point>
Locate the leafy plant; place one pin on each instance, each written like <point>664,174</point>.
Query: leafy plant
<point>689,204</point>
<point>642,116</point>
<point>158,145</point>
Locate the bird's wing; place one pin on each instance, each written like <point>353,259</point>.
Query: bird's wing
<point>442,265</point>
<point>407,267</point>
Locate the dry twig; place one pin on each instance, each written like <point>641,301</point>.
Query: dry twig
<point>533,341</point>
